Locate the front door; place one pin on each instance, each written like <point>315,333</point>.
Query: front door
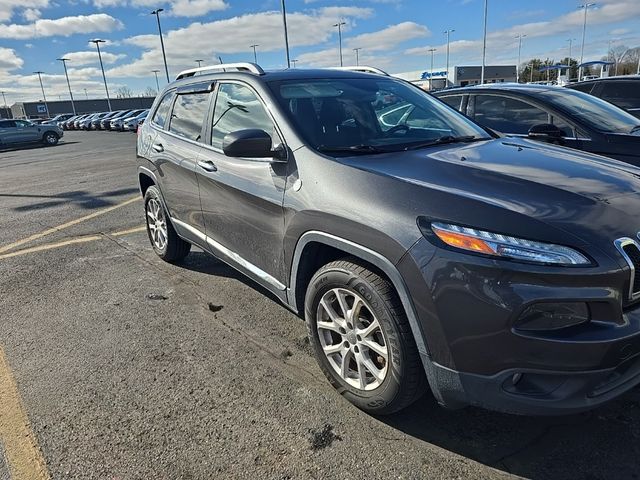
<point>27,132</point>
<point>242,197</point>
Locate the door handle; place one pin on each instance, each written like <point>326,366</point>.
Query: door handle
<point>158,147</point>
<point>207,165</point>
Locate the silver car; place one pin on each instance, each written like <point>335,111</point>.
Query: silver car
<point>13,132</point>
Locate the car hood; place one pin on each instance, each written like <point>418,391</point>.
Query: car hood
<point>592,198</point>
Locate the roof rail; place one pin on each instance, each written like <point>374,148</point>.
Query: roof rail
<point>222,67</point>
<point>363,69</point>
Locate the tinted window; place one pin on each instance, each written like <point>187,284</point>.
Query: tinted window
<point>238,108</point>
<point>507,115</point>
<point>625,94</point>
<point>162,112</point>
<point>7,124</point>
<point>454,101</point>
<point>188,115</point>
<point>22,123</point>
<point>583,87</point>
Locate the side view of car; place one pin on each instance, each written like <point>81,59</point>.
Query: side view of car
<point>15,132</point>
<point>549,114</point>
<point>623,91</point>
<point>105,124</point>
<point>57,119</point>
<point>118,123</point>
<point>421,250</point>
<point>131,124</point>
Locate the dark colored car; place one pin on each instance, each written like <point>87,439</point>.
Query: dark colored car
<point>500,272</point>
<point>105,124</point>
<point>118,123</point>
<point>621,91</point>
<point>551,114</point>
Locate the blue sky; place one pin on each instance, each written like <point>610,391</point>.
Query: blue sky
<point>393,34</point>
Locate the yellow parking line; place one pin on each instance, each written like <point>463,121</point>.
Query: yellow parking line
<point>49,231</point>
<point>129,231</point>
<point>20,444</point>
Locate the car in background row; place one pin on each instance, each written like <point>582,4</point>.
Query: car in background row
<point>16,132</point>
<point>549,114</point>
<point>88,123</point>
<point>106,118</point>
<point>106,124</point>
<point>58,118</point>
<point>118,123</point>
<point>621,91</point>
<point>132,124</point>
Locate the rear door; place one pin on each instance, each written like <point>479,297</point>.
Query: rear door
<point>7,131</point>
<point>242,197</point>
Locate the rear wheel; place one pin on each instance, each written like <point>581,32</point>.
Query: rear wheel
<point>50,138</point>
<point>163,237</point>
<point>362,339</point>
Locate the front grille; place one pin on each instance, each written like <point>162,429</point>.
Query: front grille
<point>633,252</point>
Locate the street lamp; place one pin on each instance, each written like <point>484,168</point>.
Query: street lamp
<point>156,12</point>
<point>97,41</point>
<point>531,72</point>
<point>64,63</point>
<point>286,35</point>
<point>484,43</point>
<point>294,61</point>
<point>86,94</point>
<point>339,25</point>
<point>432,50</point>
<point>157,83</point>
<point>357,50</point>
<point>448,33</point>
<point>520,36</point>
<point>585,6</point>
<point>199,62</point>
<point>4,99</point>
<point>255,55</point>
<point>46,106</point>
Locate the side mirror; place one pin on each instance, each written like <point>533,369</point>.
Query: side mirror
<point>546,132</point>
<point>252,143</point>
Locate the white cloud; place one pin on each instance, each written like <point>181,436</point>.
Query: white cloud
<point>179,8</point>
<point>9,60</point>
<point>91,57</point>
<point>64,26</point>
<point>31,14</point>
<point>7,7</point>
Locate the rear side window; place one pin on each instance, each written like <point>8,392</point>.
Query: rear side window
<point>454,101</point>
<point>239,108</point>
<point>508,115</point>
<point>188,115</point>
<point>162,112</point>
<point>583,87</point>
<point>8,124</point>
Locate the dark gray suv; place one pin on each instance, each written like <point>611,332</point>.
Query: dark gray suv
<point>499,272</point>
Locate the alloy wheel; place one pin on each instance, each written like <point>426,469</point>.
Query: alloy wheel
<point>157,223</point>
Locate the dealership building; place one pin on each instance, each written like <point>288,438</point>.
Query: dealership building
<point>39,110</point>
<point>459,76</point>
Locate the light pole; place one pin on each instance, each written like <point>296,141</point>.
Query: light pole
<point>157,83</point>
<point>86,94</point>
<point>294,61</point>
<point>339,25</point>
<point>255,55</point>
<point>357,50</point>
<point>46,106</point>
<point>531,72</point>
<point>4,100</point>
<point>64,63</point>
<point>286,35</point>
<point>448,33</point>
<point>520,36</point>
<point>156,12</point>
<point>199,62</point>
<point>585,6</point>
<point>484,42</point>
<point>97,41</point>
<point>432,50</point>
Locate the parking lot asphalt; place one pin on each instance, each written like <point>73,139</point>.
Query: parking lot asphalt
<point>116,365</point>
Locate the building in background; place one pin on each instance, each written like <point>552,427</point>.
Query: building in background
<point>38,110</point>
<point>460,76</point>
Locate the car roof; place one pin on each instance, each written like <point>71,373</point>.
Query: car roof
<point>524,88</point>
<point>635,78</point>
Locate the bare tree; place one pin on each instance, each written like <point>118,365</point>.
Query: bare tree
<point>124,92</point>
<point>150,92</point>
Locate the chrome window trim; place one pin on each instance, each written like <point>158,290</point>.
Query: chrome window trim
<point>623,242</point>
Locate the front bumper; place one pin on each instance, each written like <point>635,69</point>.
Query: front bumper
<point>469,309</point>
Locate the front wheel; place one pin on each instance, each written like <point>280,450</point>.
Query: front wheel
<point>163,237</point>
<point>50,138</point>
<point>361,338</point>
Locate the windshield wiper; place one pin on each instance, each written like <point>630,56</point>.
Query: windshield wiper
<point>352,149</point>
<point>446,139</point>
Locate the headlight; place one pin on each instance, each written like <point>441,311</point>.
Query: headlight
<point>505,246</point>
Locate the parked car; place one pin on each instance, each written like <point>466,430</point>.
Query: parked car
<point>621,91</point>
<point>57,119</point>
<point>63,124</point>
<point>77,121</point>
<point>16,132</point>
<point>106,118</point>
<point>131,124</point>
<point>550,114</point>
<point>106,123</point>
<point>118,123</point>
<point>95,121</point>
<point>500,271</point>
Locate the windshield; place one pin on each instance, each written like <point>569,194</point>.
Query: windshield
<point>598,114</point>
<point>370,115</point>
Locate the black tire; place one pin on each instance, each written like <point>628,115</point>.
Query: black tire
<point>175,248</point>
<point>405,380</point>
<point>50,139</point>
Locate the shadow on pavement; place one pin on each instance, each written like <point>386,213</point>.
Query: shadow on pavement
<point>33,146</point>
<point>601,444</point>
<point>81,198</point>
